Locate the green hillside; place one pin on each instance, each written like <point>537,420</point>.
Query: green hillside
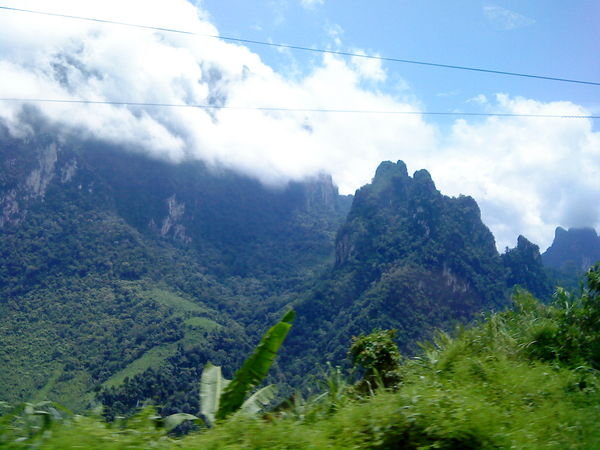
<point>407,258</point>
<point>113,262</point>
<point>523,378</point>
<point>123,276</point>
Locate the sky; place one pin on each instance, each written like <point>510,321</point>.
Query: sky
<point>528,175</point>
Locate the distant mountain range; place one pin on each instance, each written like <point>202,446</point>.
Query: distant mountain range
<point>573,251</point>
<point>122,275</point>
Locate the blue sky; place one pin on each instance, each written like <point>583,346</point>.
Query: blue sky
<point>528,175</point>
<point>551,38</point>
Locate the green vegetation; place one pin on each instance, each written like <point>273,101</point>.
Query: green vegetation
<point>377,354</point>
<point>525,269</point>
<point>153,358</point>
<point>220,398</point>
<point>122,277</point>
<point>174,301</point>
<point>523,378</point>
<point>201,323</point>
<point>255,368</point>
<point>120,266</point>
<point>195,331</point>
<point>133,271</point>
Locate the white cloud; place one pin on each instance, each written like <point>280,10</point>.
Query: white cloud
<point>335,32</point>
<point>368,68</point>
<point>505,18</point>
<point>528,174</point>
<point>478,99</point>
<point>95,61</point>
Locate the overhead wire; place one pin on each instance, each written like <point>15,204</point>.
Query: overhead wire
<point>295,47</point>
<point>304,48</point>
<point>283,109</point>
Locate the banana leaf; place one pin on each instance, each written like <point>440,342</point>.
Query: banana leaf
<point>174,420</point>
<point>212,385</point>
<point>257,401</point>
<point>255,368</point>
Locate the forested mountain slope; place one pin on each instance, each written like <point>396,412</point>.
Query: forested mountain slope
<point>407,258</point>
<point>525,268</point>
<point>113,261</point>
<point>124,274</point>
<point>526,377</point>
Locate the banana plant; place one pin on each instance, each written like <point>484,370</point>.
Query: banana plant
<point>212,385</point>
<point>220,398</point>
<point>29,422</point>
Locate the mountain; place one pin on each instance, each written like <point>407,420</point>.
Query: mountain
<point>573,250</point>
<point>525,268</point>
<point>123,274</point>
<point>113,262</point>
<point>407,258</point>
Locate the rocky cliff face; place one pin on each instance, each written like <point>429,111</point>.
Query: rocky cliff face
<point>27,170</point>
<point>320,193</point>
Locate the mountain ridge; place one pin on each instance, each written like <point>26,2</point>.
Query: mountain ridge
<point>407,258</point>
<point>573,249</point>
<point>210,256</point>
<point>102,248</point>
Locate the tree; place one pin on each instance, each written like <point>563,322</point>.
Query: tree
<point>377,353</point>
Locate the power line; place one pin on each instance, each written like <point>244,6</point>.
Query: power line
<point>307,49</point>
<point>282,109</point>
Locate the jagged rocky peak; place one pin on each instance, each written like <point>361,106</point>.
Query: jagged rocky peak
<point>575,249</point>
<point>582,234</point>
<point>401,218</point>
<point>524,268</point>
<point>525,244</point>
<point>395,176</point>
<point>390,188</point>
<point>423,177</point>
<point>388,168</point>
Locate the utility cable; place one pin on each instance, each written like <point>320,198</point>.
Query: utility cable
<point>281,109</point>
<point>307,49</point>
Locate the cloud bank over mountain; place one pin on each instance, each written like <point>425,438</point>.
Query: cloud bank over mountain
<point>527,174</point>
